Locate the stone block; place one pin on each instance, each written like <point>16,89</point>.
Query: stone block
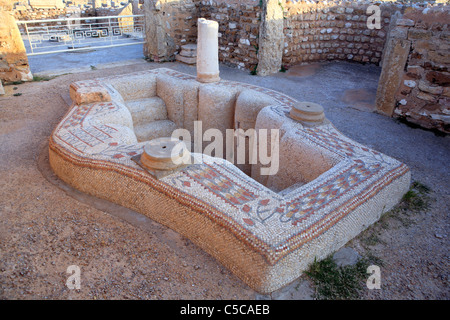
<point>439,57</point>
<point>271,40</point>
<point>216,107</point>
<point>426,96</point>
<point>425,87</point>
<point>181,99</point>
<point>415,71</point>
<point>405,22</point>
<point>399,33</point>
<point>394,62</point>
<point>418,34</point>
<point>249,103</point>
<point>89,94</point>
<point>446,91</point>
<point>187,60</point>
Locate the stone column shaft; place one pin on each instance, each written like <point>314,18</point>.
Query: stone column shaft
<point>208,51</point>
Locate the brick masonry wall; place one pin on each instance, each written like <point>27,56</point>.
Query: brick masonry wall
<point>423,97</point>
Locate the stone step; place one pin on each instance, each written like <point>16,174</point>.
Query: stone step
<point>188,54</point>
<point>147,110</point>
<point>187,60</point>
<point>189,47</point>
<point>154,130</point>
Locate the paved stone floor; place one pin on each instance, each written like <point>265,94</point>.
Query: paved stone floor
<point>46,226</point>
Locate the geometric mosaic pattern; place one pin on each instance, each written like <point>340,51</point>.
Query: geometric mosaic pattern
<point>270,223</point>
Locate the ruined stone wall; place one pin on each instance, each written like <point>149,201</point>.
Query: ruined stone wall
<point>239,23</point>
<point>169,24</point>
<point>423,95</point>
<point>28,13</point>
<point>22,13</point>
<point>333,31</point>
<point>13,59</point>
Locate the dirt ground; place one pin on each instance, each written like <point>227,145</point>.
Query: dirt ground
<point>45,226</point>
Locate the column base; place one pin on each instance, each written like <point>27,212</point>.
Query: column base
<point>208,78</point>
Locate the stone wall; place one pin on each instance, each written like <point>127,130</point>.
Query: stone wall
<point>169,24</point>
<point>239,23</point>
<point>333,31</point>
<point>13,59</point>
<point>423,94</point>
<point>28,13</point>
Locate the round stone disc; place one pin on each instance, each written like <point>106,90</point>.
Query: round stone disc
<point>307,111</point>
<point>164,154</point>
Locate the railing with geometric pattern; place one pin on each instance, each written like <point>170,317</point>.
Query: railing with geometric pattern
<point>76,34</point>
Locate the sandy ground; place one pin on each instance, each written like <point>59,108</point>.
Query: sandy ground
<point>45,226</point>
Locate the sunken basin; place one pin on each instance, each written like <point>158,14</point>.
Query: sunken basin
<point>266,228</point>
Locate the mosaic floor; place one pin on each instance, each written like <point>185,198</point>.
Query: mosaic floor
<point>280,233</point>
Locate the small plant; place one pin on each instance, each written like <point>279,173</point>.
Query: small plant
<point>17,82</point>
<point>17,94</point>
<point>338,283</point>
<point>256,48</point>
<point>42,78</point>
<point>254,71</point>
<point>283,69</point>
<point>416,199</point>
<point>93,67</point>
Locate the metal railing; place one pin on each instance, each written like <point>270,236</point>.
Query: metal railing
<point>76,34</point>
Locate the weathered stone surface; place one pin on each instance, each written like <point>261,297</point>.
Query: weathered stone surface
<point>425,87</point>
<point>89,95</point>
<point>2,90</point>
<point>187,60</point>
<point>160,45</point>
<point>13,59</point>
<point>249,103</point>
<point>181,99</point>
<point>438,78</point>
<point>415,34</point>
<point>393,65</point>
<point>446,92</point>
<point>405,22</point>
<point>439,57</point>
<point>46,4</point>
<point>308,113</point>
<point>426,96</point>
<point>271,39</point>
<point>216,107</point>
<point>399,33</point>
